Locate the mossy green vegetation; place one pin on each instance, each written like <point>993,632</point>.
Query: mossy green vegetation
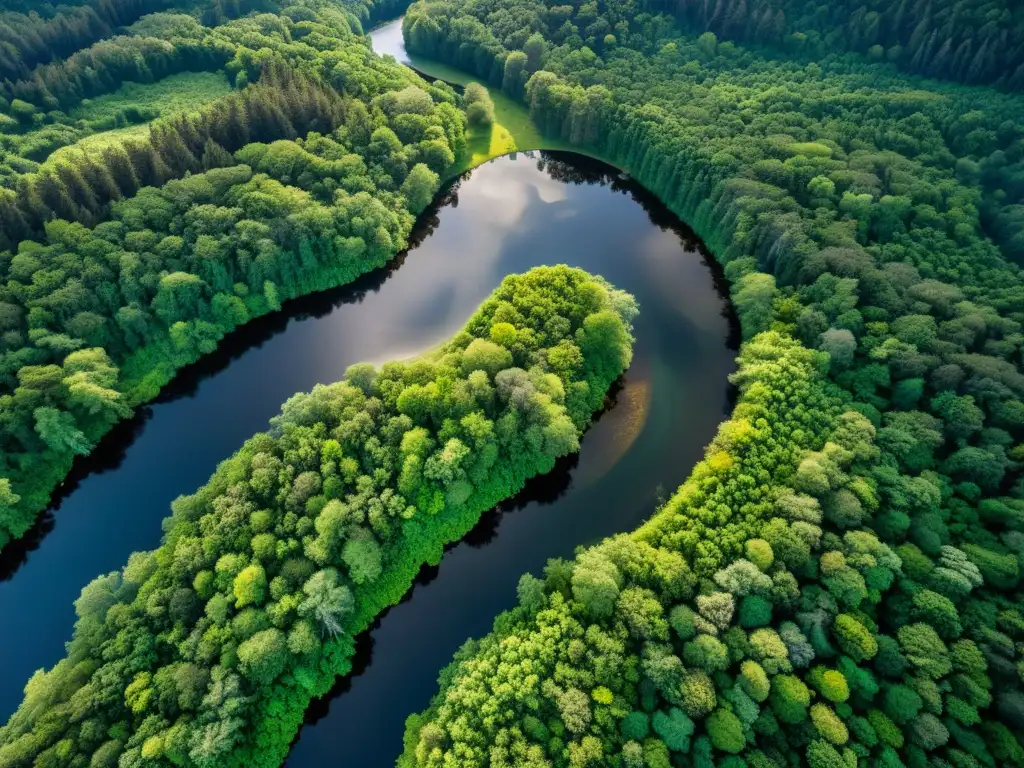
<point>130,109</point>
<point>123,114</point>
<point>181,92</point>
<point>250,606</point>
<point>839,581</point>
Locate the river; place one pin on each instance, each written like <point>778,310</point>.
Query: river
<point>507,216</point>
<point>388,41</point>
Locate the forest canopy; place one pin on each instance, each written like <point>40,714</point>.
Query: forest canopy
<point>839,581</point>
<point>250,606</point>
<point>971,41</point>
<point>136,261</point>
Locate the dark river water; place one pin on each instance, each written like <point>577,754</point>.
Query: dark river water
<point>507,216</point>
<point>512,214</point>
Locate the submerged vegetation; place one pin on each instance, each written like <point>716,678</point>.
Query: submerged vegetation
<point>206,651</point>
<point>839,582</point>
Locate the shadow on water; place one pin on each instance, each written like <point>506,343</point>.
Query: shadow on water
<point>571,168</point>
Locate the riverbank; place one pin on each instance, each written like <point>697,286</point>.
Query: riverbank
<point>513,130</point>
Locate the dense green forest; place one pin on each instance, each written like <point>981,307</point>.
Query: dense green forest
<point>49,109</point>
<point>34,34</point>
<point>206,651</point>
<point>127,263</point>
<point>839,582</point>
<point>971,41</point>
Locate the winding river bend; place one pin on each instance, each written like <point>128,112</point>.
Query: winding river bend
<point>512,214</point>
<point>507,216</point>
<point>388,41</point>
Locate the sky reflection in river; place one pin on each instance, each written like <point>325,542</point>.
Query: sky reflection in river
<point>507,217</point>
<point>512,216</point>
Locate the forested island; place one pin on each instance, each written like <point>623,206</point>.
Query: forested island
<point>839,582</point>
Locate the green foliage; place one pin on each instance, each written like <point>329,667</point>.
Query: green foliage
<point>837,582</point>
<point>828,724</point>
<point>179,240</point>
<point>753,302</point>
<point>635,726</point>
<point>301,539</point>
<point>755,611</point>
<point>479,106</point>
<point>789,698</point>
<point>854,638</point>
<point>726,731</point>
<point>754,681</point>
<point>674,728</point>
<point>839,560</point>
<point>420,186</point>
<point>250,586</point>
<point>821,754</point>
<point>263,656</point>
<point>759,552</point>
<point>682,618</point>
<point>830,683</point>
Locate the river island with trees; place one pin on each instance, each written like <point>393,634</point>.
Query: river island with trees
<point>838,583</point>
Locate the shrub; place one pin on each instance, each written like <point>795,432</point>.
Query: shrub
<point>635,726</point>
<point>697,693</point>
<point>854,638</point>
<point>828,724</point>
<point>821,754</point>
<point>789,698</point>
<point>754,680</point>
<point>755,611</point>
<point>726,731</point>
<point>830,683</point>
<point>674,728</point>
<point>759,552</point>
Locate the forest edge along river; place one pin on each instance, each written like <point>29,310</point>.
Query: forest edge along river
<point>505,217</point>
<point>664,413</point>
